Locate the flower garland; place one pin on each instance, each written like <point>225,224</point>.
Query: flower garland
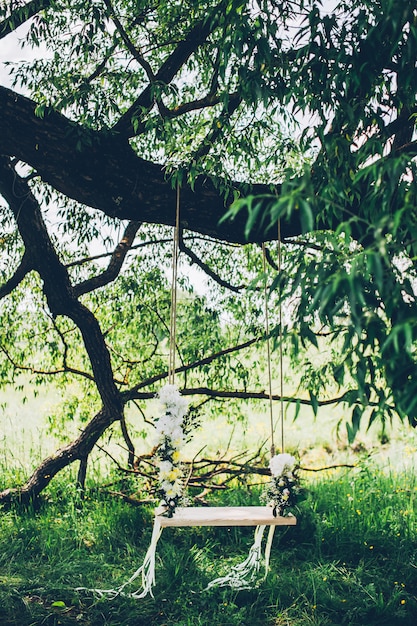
<point>283,489</point>
<point>172,429</point>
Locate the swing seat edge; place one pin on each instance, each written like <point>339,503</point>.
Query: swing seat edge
<point>223,516</point>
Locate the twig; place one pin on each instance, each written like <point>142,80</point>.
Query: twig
<point>327,467</point>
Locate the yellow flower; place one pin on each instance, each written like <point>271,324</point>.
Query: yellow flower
<point>174,473</point>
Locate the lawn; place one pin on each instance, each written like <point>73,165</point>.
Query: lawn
<point>351,559</point>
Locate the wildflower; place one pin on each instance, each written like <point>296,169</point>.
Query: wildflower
<point>281,463</point>
<point>282,490</point>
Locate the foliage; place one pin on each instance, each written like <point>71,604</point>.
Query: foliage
<point>351,277</point>
<point>302,112</point>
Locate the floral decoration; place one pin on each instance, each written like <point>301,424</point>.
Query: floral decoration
<point>172,428</point>
<point>283,489</point>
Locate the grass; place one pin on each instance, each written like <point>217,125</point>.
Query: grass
<point>351,560</point>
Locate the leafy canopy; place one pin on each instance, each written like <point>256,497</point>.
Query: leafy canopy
<point>316,99</point>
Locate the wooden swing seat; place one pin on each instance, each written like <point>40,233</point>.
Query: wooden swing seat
<point>223,516</point>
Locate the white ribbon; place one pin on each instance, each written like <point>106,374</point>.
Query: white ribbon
<point>244,575</point>
<point>241,576</point>
<point>147,570</point>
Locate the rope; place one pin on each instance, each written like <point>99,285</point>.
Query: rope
<point>244,575</point>
<point>281,356</point>
<point>268,351</point>
<point>173,314</point>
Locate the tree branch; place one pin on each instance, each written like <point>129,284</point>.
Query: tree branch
<point>217,127</point>
<point>102,171</point>
<point>136,54</point>
<point>195,38</point>
<point>115,263</point>
<point>255,395</point>
<point>131,394</point>
<point>21,271</point>
<point>56,283</point>
<point>208,100</point>
<point>33,370</point>
<point>195,259</point>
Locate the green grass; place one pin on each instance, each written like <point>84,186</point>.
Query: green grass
<point>351,560</point>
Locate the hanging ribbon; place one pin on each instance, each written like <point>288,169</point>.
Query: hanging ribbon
<point>246,574</point>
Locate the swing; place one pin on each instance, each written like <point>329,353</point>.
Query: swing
<point>224,515</point>
<point>169,515</point>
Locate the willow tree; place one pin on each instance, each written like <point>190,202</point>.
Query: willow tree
<point>298,113</point>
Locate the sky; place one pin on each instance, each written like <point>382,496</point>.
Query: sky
<point>10,51</point>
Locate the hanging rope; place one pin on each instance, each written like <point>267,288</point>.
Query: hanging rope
<point>268,351</point>
<point>173,314</point>
<point>281,355</point>
<point>245,575</point>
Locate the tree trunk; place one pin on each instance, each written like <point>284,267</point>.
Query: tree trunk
<point>45,472</point>
<point>62,301</point>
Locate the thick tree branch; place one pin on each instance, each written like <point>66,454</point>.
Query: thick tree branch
<point>56,283</point>
<point>75,451</point>
<point>100,170</point>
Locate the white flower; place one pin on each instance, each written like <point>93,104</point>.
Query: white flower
<point>165,468</point>
<point>174,401</point>
<point>175,489</point>
<point>281,463</point>
<point>177,436</point>
<point>163,425</point>
<point>171,437</point>
<point>168,394</point>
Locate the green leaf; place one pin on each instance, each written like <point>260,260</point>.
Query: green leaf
<point>58,604</point>
<point>313,401</point>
